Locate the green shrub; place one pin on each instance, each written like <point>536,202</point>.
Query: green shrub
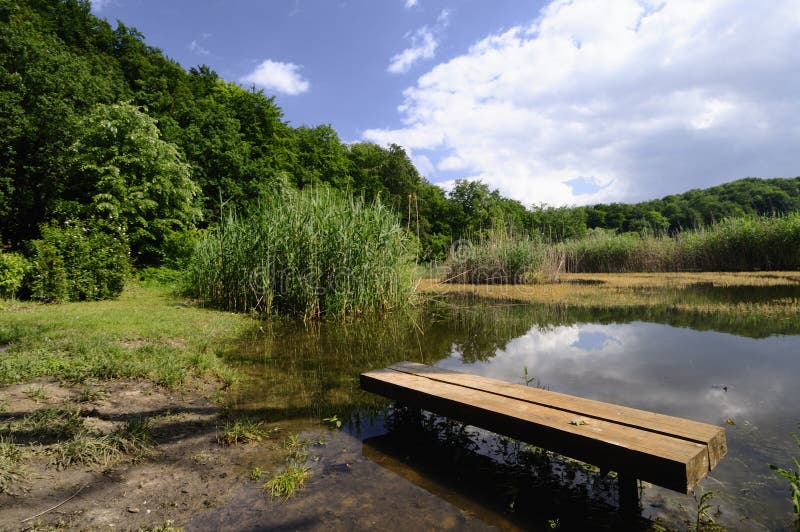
<point>77,262</point>
<point>311,254</point>
<point>13,268</point>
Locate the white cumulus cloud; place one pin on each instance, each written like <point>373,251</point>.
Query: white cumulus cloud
<point>641,98</point>
<point>280,77</point>
<point>424,42</point>
<point>423,46</point>
<point>411,3</point>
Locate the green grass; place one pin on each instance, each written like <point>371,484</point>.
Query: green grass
<point>242,430</point>
<point>287,482</point>
<point>83,449</point>
<point>12,474</point>
<point>311,254</point>
<point>148,333</point>
<point>134,439</point>
<point>37,393</point>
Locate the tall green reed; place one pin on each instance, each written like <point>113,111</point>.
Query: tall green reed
<point>735,244</point>
<point>315,253</point>
<point>496,257</point>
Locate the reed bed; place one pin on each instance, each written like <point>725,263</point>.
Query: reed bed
<point>737,244</point>
<point>498,257</point>
<point>311,254</point>
<point>734,245</point>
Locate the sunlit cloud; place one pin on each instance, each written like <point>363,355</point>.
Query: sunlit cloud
<point>280,77</point>
<point>636,98</point>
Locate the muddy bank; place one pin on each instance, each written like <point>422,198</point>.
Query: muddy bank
<point>185,471</point>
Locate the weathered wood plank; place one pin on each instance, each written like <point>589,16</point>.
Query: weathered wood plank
<point>669,461</point>
<point>703,433</point>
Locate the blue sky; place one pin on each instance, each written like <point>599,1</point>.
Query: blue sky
<point>562,102</point>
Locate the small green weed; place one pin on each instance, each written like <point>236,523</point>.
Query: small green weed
<point>289,481</point>
<point>202,458</point>
<point>37,393</point>
<point>242,430</point>
<point>85,449</point>
<point>12,474</point>
<point>333,421</point>
<point>256,473</point>
<point>91,395</point>
<point>793,477</point>
<point>134,439</point>
<point>47,425</point>
<point>704,521</point>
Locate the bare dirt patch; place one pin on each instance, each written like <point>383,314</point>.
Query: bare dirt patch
<point>183,471</point>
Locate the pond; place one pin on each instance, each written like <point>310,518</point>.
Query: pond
<point>740,373</point>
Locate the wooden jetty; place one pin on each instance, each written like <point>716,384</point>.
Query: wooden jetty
<point>667,451</point>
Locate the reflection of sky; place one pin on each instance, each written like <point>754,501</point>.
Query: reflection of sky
<point>702,375</point>
<point>657,367</point>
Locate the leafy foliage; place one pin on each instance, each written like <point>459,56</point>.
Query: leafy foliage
<point>77,262</point>
<point>134,181</point>
<point>13,267</point>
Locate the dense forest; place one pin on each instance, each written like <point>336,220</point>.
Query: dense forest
<point>115,154</point>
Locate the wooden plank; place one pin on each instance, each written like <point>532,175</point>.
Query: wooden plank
<point>695,431</point>
<point>671,462</point>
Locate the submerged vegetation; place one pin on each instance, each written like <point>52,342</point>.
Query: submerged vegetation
<point>312,254</point>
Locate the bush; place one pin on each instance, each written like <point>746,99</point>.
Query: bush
<point>13,268</point>
<point>312,254</point>
<point>77,262</point>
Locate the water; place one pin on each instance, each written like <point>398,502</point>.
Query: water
<point>710,369</point>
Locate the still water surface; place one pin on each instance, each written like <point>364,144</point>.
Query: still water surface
<point>711,369</point>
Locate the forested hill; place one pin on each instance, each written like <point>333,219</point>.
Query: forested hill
<point>697,208</point>
<point>100,131</point>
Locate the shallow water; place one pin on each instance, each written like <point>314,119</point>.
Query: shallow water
<point>685,364</point>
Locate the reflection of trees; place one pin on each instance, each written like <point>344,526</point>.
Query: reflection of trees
<point>312,372</point>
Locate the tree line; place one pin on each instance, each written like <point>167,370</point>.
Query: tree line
<point>104,137</point>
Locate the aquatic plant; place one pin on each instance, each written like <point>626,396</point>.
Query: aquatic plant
<point>495,257</point>
<point>242,430</point>
<point>311,254</point>
<point>734,244</point>
<point>793,477</point>
<point>288,481</point>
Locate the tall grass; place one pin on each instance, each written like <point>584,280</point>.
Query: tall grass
<point>311,254</point>
<point>498,257</point>
<point>737,244</point>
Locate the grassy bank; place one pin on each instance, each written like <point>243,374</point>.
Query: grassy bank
<point>146,333</point>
